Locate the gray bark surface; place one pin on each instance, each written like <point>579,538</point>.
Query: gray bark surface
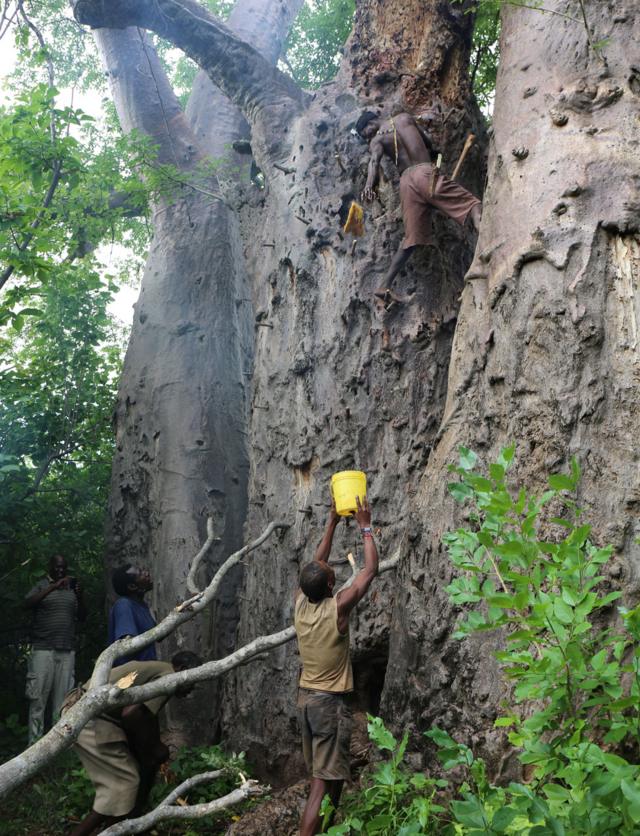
<point>325,396</point>
<point>545,351</point>
<point>181,416</point>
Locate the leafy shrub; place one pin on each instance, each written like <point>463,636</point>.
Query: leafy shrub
<point>576,693</point>
<point>573,717</point>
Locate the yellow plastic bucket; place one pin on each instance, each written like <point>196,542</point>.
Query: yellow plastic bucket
<point>345,486</point>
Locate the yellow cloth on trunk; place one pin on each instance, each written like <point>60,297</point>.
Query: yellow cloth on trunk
<point>355,220</point>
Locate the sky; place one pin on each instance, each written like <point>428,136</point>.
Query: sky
<point>110,255</point>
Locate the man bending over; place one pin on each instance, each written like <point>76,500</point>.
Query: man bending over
<point>121,749</point>
<point>409,146</point>
<point>322,626</point>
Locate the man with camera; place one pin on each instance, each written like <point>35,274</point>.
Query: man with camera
<point>57,604</point>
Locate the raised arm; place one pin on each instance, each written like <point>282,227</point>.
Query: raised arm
<point>348,598</point>
<point>324,547</point>
<point>33,599</point>
<point>374,169</point>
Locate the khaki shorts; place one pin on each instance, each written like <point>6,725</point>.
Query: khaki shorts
<point>326,721</point>
<point>111,767</point>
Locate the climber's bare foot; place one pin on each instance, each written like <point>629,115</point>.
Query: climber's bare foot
<point>386,340</point>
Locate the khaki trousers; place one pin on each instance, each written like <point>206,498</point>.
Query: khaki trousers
<point>50,675</point>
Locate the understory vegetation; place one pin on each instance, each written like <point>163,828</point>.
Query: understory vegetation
<point>62,794</point>
<point>526,565</point>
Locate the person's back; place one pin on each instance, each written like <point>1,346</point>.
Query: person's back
<point>324,651</point>
<point>121,749</point>
<point>326,682</point>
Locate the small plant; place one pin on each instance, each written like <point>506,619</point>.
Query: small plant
<point>395,801</point>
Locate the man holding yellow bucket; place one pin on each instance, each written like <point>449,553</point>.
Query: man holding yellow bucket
<point>322,626</point>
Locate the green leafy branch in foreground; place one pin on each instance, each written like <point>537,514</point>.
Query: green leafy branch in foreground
<point>576,695</point>
<point>573,714</point>
<point>394,801</point>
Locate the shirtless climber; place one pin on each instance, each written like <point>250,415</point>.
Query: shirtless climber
<point>410,147</point>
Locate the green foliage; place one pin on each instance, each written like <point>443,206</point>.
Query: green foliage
<point>56,183</point>
<point>314,47</point>
<point>483,63</point>
<point>394,801</point>
<point>576,686</point>
<point>573,714</point>
<point>63,793</point>
<point>57,389</point>
<point>190,761</point>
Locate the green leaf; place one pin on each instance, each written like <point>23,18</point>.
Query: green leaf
<point>468,458</point>
<point>379,734</point>
<point>562,611</point>
<point>503,818</point>
<point>561,482</point>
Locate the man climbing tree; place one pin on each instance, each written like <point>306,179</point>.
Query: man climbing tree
<point>322,627</point>
<point>406,142</point>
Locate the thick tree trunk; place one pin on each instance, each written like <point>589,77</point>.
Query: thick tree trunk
<point>182,410</point>
<point>325,394</point>
<point>181,413</point>
<point>546,350</point>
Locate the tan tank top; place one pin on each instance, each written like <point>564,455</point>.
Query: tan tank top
<point>326,662</point>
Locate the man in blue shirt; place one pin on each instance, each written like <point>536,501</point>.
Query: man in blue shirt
<point>130,615</point>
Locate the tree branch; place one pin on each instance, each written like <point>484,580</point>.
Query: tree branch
<point>183,612</point>
<point>189,811</point>
<point>248,80</point>
<point>103,696</point>
<point>191,577</point>
<point>55,179</point>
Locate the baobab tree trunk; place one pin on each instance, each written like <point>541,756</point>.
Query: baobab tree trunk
<point>546,350</point>
<point>182,410</point>
<point>324,395</point>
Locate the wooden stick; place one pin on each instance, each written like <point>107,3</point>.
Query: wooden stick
<point>436,171</point>
<point>465,150</point>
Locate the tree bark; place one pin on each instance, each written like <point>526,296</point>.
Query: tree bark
<point>325,395</point>
<point>182,409</point>
<point>181,412</point>
<point>545,352</point>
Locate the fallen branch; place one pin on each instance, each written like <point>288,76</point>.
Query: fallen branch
<point>183,612</point>
<point>165,811</point>
<point>191,577</point>
<point>104,696</point>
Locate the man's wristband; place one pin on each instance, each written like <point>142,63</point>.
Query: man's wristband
<point>366,531</point>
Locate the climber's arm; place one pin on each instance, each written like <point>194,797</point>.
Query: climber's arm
<point>374,169</point>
